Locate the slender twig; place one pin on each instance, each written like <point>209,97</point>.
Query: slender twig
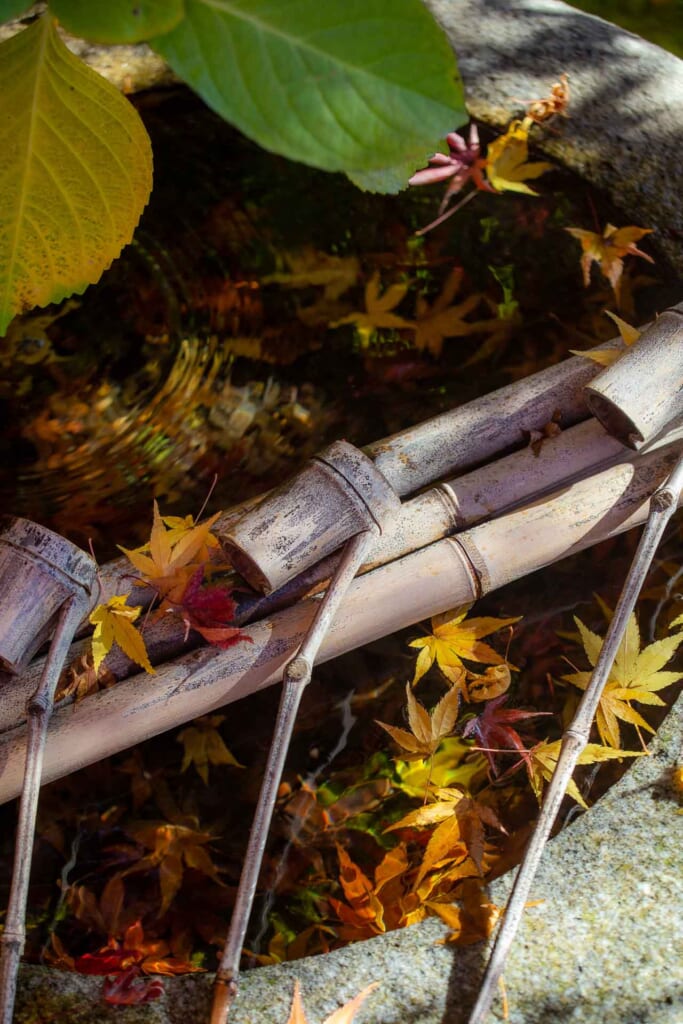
<point>39,711</point>
<point>662,506</point>
<point>296,676</point>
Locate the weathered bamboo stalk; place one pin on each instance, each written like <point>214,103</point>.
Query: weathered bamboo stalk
<point>662,505</point>
<point>450,572</point>
<point>451,506</point>
<point>643,390</point>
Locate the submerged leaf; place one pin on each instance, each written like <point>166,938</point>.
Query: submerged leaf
<point>77,171</point>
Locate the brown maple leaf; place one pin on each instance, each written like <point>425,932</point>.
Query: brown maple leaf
<point>427,730</point>
<point>608,251</point>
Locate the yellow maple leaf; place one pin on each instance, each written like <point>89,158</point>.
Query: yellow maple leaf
<point>609,356</point>
<point>542,762</point>
<point>453,638</point>
<point>176,548</point>
<point>442,320</point>
<point>608,250</point>
<point>344,1015</point>
<point>203,745</point>
<point>506,160</point>
<point>459,834</point>
<point>635,676</point>
<point>378,310</point>
<point>427,730</point>
<point>113,624</point>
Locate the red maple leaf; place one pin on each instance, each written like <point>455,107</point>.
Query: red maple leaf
<point>493,729</point>
<point>210,611</point>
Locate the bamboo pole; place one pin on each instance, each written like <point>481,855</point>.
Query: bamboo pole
<point>453,505</point>
<point>662,505</point>
<point>444,574</point>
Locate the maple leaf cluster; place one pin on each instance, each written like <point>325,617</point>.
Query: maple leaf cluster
<point>174,563</point>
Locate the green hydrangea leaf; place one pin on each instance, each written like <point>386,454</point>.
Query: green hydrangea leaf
<point>76,172</point>
<point>118,21</point>
<point>343,85</point>
<point>13,8</point>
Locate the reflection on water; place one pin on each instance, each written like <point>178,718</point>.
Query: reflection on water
<point>263,309</point>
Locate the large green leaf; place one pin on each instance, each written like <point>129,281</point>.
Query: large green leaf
<point>118,21</point>
<point>345,85</point>
<point>75,176</point>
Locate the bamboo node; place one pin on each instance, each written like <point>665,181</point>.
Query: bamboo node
<point>662,500</point>
<point>297,670</point>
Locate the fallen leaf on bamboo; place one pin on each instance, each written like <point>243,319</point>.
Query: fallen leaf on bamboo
<point>455,638</point>
<point>173,553</point>
<point>507,166</point>
<point>542,761</point>
<point>493,729</point>
<point>378,310</point>
<point>441,320</point>
<point>635,676</point>
<point>208,610</point>
<point>203,745</point>
<point>427,730</point>
<point>609,356</point>
<point>344,1015</point>
<point>80,678</point>
<point>113,624</point>
<point>608,250</point>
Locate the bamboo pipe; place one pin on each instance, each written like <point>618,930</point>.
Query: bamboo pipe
<point>643,391</point>
<point>450,572</point>
<point>451,506</point>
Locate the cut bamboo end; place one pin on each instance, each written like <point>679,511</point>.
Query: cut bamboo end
<point>642,391</point>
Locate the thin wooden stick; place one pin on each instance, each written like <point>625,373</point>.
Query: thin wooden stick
<point>39,711</point>
<point>296,676</point>
<point>662,506</point>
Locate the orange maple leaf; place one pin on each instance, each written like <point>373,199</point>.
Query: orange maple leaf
<point>608,251</point>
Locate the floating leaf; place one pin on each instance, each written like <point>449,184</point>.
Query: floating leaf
<point>453,638</point>
<point>118,21</point>
<point>543,758</point>
<point>506,160</point>
<point>427,730</point>
<point>608,251</point>
<point>77,171</point>
<point>635,676</point>
<point>346,85</point>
